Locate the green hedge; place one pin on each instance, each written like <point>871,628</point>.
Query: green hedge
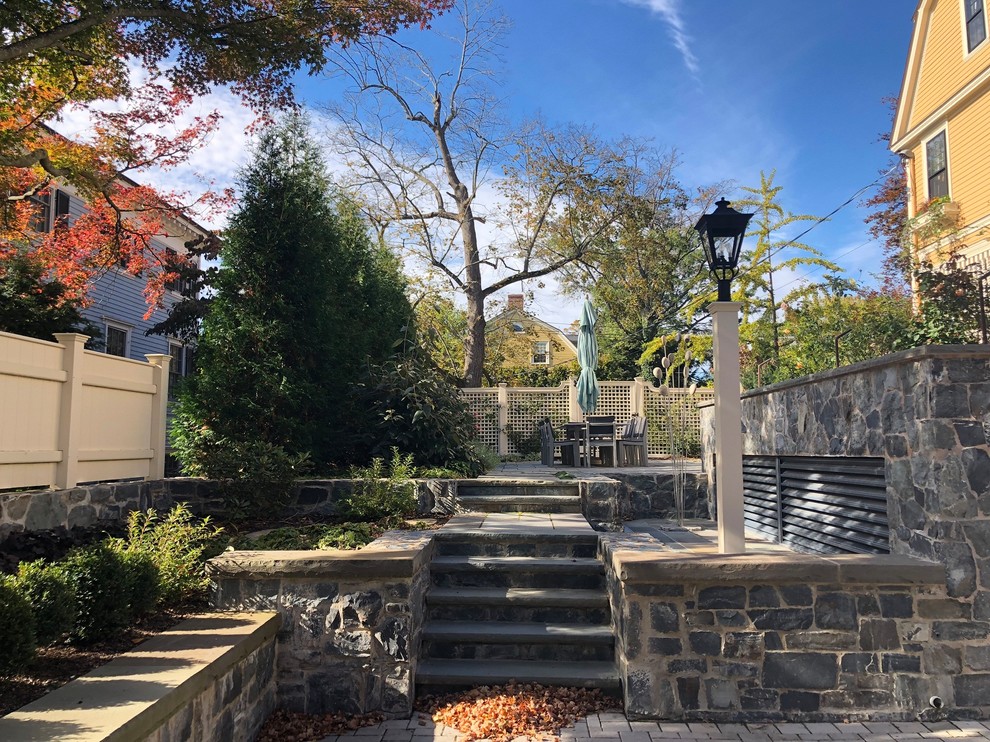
<point>17,639</point>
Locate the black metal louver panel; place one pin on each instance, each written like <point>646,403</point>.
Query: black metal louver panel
<point>760,495</point>
<point>829,505</point>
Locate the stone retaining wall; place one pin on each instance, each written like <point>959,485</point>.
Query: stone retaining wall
<point>352,619</point>
<point>42,510</point>
<point>793,637</point>
<point>927,413</point>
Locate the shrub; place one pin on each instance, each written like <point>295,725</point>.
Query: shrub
<point>46,587</point>
<point>179,543</point>
<point>254,477</point>
<point>142,587</point>
<point>16,628</point>
<point>102,584</point>
<point>342,536</point>
<point>381,494</point>
<point>415,409</point>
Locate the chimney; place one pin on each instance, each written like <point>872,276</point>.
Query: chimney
<point>516,301</point>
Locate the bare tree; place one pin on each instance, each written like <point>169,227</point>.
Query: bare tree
<point>434,162</point>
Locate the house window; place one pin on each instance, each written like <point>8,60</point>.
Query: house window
<point>541,353</point>
<point>937,166</point>
<point>44,220</point>
<point>517,327</point>
<point>976,23</point>
<point>183,285</point>
<point>180,367</point>
<point>117,338</point>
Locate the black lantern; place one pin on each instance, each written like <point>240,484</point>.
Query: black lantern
<point>722,234</point>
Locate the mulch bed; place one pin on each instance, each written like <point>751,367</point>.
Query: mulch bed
<point>55,666</point>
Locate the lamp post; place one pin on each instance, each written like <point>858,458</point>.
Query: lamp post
<point>722,234</point>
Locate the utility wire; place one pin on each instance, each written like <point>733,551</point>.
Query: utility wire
<point>823,219</point>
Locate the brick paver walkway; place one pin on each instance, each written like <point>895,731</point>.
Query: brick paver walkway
<point>615,728</point>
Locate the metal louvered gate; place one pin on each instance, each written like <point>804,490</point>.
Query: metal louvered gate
<point>829,505</point>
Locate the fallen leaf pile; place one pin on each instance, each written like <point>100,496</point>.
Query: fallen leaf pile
<point>285,726</point>
<point>502,713</point>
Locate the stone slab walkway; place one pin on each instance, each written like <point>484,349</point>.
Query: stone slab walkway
<point>519,523</point>
<point>614,728</point>
<point>522,470</point>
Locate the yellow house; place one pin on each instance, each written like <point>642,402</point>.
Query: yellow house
<point>942,131</point>
<point>519,340</point>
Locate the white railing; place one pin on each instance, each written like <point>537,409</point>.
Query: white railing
<point>70,415</point>
<point>507,416</point>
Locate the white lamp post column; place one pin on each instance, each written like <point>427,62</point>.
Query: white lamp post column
<point>728,427</point>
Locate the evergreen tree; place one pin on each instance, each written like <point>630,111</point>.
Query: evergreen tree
<point>304,302</point>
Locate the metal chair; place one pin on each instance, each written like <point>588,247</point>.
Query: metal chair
<point>632,448</point>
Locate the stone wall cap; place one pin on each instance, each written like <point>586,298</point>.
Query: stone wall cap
<point>925,352</point>
<point>655,566</point>
<point>133,695</point>
<point>372,561</point>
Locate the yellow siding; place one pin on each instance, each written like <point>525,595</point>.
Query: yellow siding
<point>945,68</point>
<point>516,347</point>
<point>967,135</point>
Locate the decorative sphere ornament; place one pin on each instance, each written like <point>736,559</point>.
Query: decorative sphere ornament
<point>657,373</point>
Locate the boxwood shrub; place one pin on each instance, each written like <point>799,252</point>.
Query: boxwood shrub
<point>16,628</point>
<point>102,584</point>
<point>53,601</point>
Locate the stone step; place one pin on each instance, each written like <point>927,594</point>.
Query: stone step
<point>494,632</point>
<point>524,503</point>
<point>494,487</point>
<point>582,545</point>
<point>478,651</point>
<point>517,604</point>
<point>515,571</point>
<point>433,673</point>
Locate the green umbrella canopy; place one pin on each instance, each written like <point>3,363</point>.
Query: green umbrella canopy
<point>587,384</point>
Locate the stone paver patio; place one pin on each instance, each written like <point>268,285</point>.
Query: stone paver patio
<point>615,727</point>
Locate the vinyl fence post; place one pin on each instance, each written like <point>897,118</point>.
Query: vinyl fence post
<point>159,413</point>
<point>70,408</point>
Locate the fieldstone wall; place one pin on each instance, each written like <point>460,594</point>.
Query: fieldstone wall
<point>791,637</point>
<point>351,619</point>
<point>926,411</point>
<point>84,506</point>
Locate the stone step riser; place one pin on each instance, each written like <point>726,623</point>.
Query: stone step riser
<point>585,580</point>
<point>471,490</point>
<point>585,549</point>
<point>526,613</point>
<point>481,505</point>
<point>436,649</point>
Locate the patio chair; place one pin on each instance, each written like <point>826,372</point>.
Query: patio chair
<point>601,436</point>
<point>549,444</point>
<point>631,449</point>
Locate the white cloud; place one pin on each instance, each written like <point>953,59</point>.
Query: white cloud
<point>670,12</point>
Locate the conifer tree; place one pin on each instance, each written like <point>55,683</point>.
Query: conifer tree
<point>304,302</point>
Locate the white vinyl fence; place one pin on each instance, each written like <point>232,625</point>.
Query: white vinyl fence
<point>505,415</point>
<point>70,415</point>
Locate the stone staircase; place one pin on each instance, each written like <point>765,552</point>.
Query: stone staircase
<point>524,607</point>
<point>502,496</point>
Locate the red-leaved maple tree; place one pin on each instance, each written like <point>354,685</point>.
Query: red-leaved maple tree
<point>57,55</point>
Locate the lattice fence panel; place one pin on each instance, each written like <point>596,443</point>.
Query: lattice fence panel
<point>615,398</point>
<point>675,420</point>
<point>483,404</point>
<point>529,405</point>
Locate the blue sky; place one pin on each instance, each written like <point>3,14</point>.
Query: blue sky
<point>733,86</point>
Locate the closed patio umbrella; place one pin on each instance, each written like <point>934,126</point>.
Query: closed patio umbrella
<point>587,384</point>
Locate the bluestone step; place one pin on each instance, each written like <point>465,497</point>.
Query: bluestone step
<point>470,672</point>
<point>495,632</point>
<point>517,596</point>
